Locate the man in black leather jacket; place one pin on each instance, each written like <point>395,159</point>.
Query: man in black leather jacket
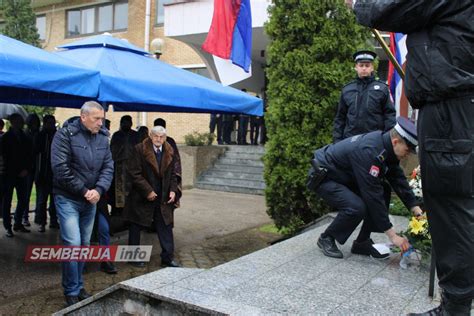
<point>440,82</point>
<point>365,104</point>
<point>82,171</point>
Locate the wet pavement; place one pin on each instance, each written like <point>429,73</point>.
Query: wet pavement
<point>210,228</point>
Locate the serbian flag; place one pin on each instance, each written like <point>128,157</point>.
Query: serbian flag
<point>398,48</point>
<point>230,40</point>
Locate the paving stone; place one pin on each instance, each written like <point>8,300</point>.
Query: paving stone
<point>261,297</point>
<point>304,304</point>
<point>160,278</point>
<point>210,282</point>
<point>210,302</point>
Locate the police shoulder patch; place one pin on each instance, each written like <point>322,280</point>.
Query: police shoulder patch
<point>374,171</point>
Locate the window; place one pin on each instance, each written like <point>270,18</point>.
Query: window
<point>41,26</point>
<point>88,21</point>
<point>105,18</point>
<point>73,22</point>
<point>160,12</point>
<point>198,69</point>
<point>121,16</point>
<point>97,19</point>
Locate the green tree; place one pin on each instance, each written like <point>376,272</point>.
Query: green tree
<point>312,42</point>
<point>20,24</point>
<point>20,21</point>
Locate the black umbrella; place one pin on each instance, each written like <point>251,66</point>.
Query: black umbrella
<point>7,109</point>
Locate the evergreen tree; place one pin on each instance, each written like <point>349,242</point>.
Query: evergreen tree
<point>310,59</point>
<point>20,24</point>
<point>20,21</point>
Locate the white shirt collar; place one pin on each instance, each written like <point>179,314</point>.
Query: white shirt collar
<point>157,148</point>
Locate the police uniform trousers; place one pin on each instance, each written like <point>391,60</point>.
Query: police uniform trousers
<point>446,140</point>
<point>351,210</point>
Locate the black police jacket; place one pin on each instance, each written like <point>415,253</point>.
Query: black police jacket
<point>361,163</point>
<point>364,106</point>
<point>80,161</point>
<point>440,43</point>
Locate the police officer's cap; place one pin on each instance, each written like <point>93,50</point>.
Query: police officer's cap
<point>364,55</point>
<point>407,130</point>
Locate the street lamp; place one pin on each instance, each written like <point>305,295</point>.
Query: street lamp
<point>157,46</point>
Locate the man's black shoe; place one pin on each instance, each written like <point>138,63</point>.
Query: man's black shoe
<point>438,311</point>
<point>108,267</point>
<point>10,233</point>
<point>42,229</point>
<point>20,228</point>
<point>139,264</point>
<point>170,264</point>
<point>329,248</point>
<point>71,300</point>
<point>365,248</point>
<point>83,295</point>
<point>449,307</point>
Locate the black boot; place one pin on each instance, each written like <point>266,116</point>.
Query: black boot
<point>108,267</point>
<point>329,248</point>
<point>449,307</point>
<point>20,228</point>
<point>83,295</point>
<point>71,300</point>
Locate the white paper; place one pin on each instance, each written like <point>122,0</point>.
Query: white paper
<point>381,248</point>
<point>230,73</point>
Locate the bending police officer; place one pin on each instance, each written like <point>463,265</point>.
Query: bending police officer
<point>356,168</point>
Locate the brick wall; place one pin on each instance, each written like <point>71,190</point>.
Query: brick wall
<point>174,52</point>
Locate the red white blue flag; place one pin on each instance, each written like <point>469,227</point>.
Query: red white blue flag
<point>398,48</point>
<point>230,36</point>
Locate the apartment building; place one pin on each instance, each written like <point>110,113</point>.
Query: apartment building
<point>60,22</point>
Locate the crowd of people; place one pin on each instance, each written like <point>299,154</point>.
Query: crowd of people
<point>83,172</point>
<point>251,125</point>
<point>24,161</point>
<point>354,175</point>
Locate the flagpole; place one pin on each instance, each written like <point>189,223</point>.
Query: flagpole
<point>392,58</point>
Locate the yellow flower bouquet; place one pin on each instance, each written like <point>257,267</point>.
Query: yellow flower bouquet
<point>417,232</point>
<point>418,235</point>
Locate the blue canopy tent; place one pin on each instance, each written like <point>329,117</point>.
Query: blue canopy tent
<point>133,81</point>
<point>29,75</point>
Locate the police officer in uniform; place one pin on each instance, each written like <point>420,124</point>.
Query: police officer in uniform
<point>365,104</point>
<point>354,171</point>
<point>440,82</point>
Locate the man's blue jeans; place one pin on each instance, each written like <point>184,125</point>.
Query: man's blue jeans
<point>76,219</point>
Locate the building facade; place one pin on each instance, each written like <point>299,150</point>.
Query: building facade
<point>61,22</point>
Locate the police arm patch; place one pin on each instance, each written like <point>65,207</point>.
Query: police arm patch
<point>374,171</point>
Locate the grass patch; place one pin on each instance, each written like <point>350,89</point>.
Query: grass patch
<point>269,228</point>
<point>397,207</point>
<point>32,203</point>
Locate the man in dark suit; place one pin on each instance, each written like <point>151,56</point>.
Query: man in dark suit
<point>153,192</point>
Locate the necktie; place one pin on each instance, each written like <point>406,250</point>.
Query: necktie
<point>158,156</point>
